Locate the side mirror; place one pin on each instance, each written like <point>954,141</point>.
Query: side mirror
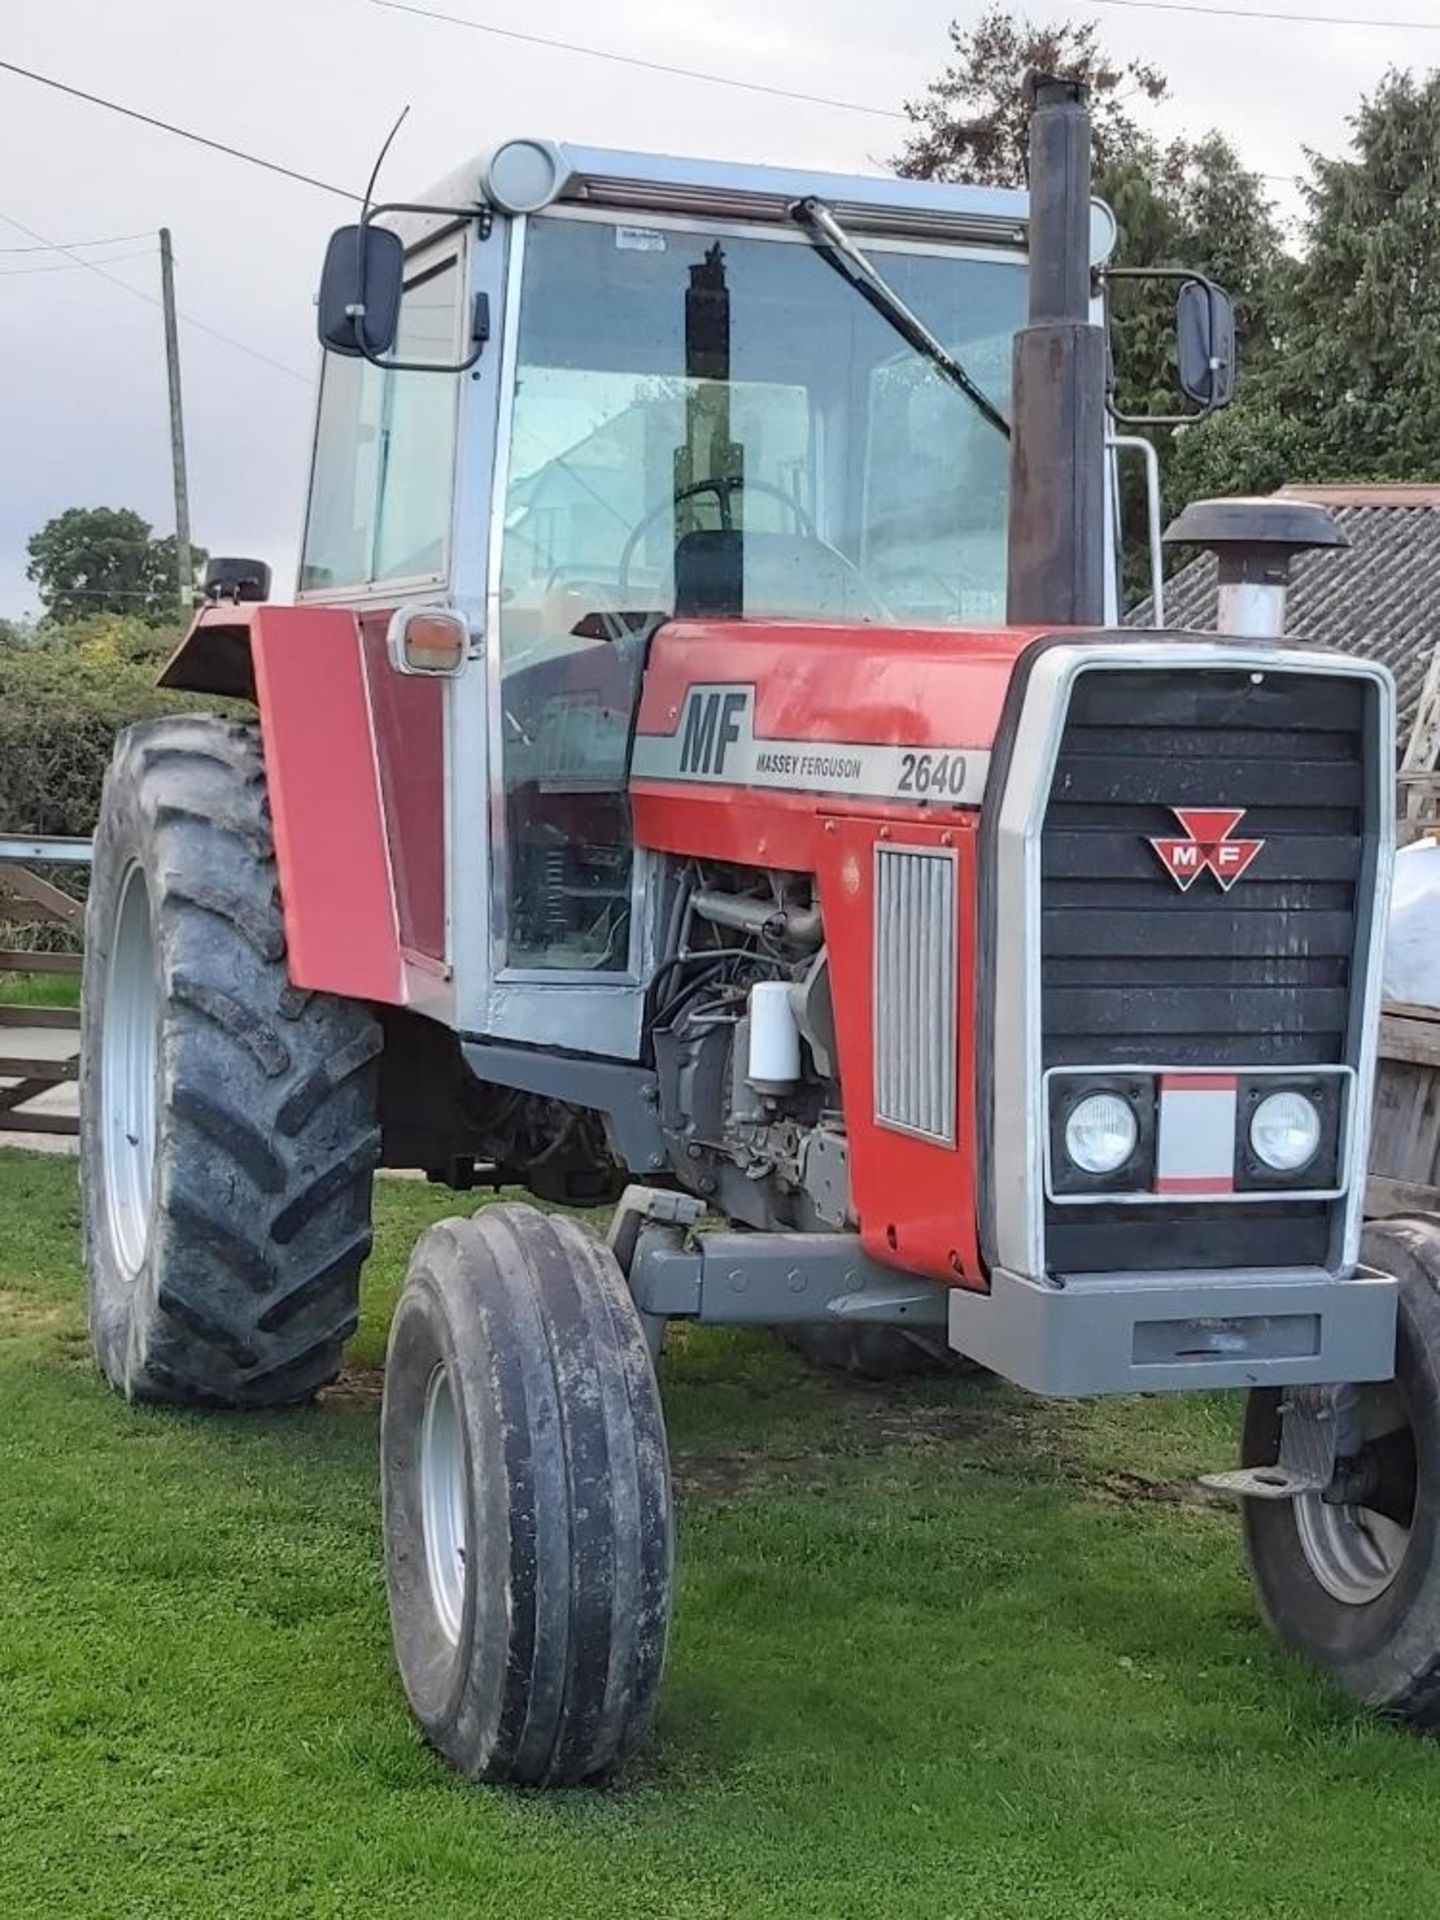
<point>360,288</point>
<point>1205,344</point>
<point>236,580</point>
<point>1205,340</point>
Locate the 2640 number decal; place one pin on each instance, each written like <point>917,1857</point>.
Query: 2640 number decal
<point>941,774</point>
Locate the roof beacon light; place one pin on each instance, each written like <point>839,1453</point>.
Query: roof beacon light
<point>524,176</point>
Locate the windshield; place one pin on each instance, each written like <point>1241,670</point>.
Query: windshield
<point>676,384</point>
<point>711,422</point>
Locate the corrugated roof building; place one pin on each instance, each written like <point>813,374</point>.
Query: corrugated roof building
<point>1379,597</point>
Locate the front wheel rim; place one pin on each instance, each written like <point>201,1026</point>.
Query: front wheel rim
<point>443,1505</point>
<point>129,1066</point>
<point>1355,1550</point>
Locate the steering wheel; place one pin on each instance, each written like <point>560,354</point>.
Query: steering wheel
<point>724,487</point>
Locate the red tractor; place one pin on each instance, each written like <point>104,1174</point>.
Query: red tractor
<point>702,770</point>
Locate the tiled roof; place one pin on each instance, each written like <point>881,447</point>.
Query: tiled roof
<point>1379,597</point>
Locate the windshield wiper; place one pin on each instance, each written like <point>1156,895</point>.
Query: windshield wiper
<point>839,251</point>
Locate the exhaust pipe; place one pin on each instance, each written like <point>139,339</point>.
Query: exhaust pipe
<point>1254,542</point>
<point>1057,448</point>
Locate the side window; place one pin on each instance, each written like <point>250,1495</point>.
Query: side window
<point>381,484</point>
<point>344,477</point>
<point>417,433</point>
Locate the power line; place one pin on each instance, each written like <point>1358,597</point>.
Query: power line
<point>560,46</point>
<point>695,73</point>
<point>635,60</point>
<point>135,293</point>
<point>181,133</point>
<point>72,246</point>
<point>1250,13</point>
<point>73,266</point>
<point>160,596</point>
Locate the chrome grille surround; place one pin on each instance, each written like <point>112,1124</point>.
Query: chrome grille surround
<point>1016,802</point>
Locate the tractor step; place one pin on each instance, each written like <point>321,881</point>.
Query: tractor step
<point>1263,1483</point>
<point>1317,1427</point>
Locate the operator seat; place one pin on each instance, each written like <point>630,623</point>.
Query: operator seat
<point>723,572</point>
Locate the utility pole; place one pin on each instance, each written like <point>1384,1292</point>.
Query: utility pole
<point>184,566</point>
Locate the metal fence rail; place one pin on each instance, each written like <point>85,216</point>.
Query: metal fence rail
<point>27,899</point>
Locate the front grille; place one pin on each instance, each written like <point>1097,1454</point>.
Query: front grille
<point>915,990</point>
<point>1135,971</point>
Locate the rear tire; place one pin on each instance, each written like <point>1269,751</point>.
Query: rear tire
<point>526,1493</point>
<point>1356,1588</point>
<point>228,1122</point>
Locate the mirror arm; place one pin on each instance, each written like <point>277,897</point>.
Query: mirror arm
<point>484,221</point>
<point>1186,276</point>
<point>1158,419</point>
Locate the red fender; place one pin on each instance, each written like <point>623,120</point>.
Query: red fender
<point>306,670</point>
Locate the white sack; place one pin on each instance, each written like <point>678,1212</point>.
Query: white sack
<point>1412,946</point>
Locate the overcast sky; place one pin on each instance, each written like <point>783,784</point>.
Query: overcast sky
<point>315,84</point>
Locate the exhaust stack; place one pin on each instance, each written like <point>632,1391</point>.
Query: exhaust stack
<point>1057,449</point>
<point>1254,542</point>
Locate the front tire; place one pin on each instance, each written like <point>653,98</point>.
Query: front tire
<point>228,1123</point>
<point>1356,1587</point>
<point>526,1493</point>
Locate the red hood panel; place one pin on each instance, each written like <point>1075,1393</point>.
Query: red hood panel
<point>937,687</point>
<point>750,732</point>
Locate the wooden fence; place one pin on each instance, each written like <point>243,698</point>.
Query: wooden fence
<point>28,899</point>
<point>1405,1144</point>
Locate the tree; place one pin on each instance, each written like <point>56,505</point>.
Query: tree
<point>104,560</point>
<point>1351,390</point>
<point>973,123</point>
<point>1187,204</point>
<point>1193,205</point>
<point>64,694</point>
<point>1182,204</point>
<point>1362,361</point>
<point>1255,446</point>
<point>1339,349</point>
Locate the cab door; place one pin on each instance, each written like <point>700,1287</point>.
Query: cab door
<point>381,533</point>
<point>552,948</point>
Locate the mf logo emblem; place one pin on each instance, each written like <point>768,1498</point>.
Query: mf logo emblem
<point>716,742</point>
<point>1206,847</point>
<point>712,727</point>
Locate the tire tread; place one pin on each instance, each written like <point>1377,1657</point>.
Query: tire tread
<point>268,1133</point>
<point>555,1676</point>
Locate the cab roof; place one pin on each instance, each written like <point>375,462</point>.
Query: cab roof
<point>527,176</point>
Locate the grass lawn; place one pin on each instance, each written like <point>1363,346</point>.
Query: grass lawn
<point>39,989</point>
<point>941,1652</point>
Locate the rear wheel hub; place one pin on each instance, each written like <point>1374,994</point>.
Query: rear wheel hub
<point>130,1059</point>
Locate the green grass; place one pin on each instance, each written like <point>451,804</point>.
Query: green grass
<point>39,989</point>
<point>942,1652</point>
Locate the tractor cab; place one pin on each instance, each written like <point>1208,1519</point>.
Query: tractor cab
<point>612,390</point>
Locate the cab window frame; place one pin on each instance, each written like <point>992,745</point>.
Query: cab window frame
<point>424,263</point>
<point>834,474</point>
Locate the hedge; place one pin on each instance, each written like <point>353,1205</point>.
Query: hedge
<point>65,692</point>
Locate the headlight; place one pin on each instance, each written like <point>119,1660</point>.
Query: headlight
<point>1100,1133</point>
<point>1285,1131</point>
